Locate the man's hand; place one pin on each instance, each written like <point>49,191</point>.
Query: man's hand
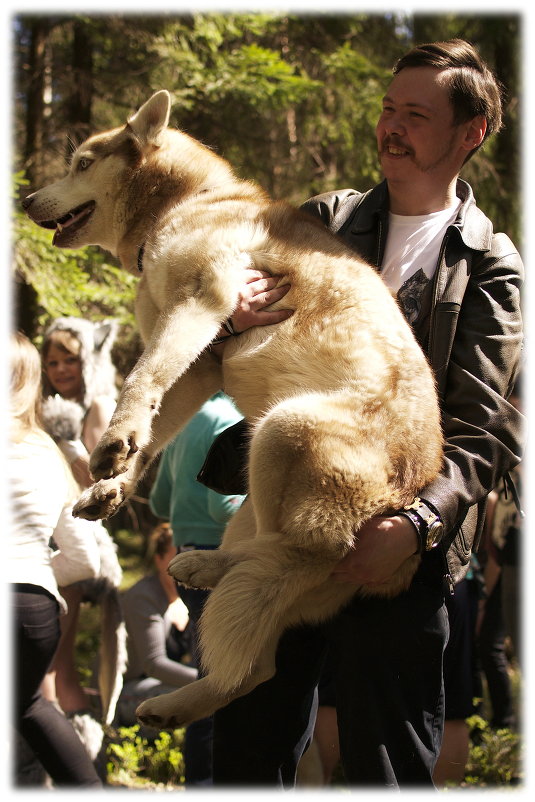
<point>381,546</point>
<point>259,292</point>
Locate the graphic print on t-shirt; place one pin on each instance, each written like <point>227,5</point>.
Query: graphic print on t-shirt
<point>410,295</point>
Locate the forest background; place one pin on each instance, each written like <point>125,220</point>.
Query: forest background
<point>290,99</point>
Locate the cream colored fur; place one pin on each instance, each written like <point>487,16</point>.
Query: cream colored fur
<point>341,400</point>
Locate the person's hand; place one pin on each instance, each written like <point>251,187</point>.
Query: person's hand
<point>381,545</point>
<point>80,470</point>
<point>179,614</point>
<point>259,292</point>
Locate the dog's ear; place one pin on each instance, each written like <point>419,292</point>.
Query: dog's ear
<point>152,118</point>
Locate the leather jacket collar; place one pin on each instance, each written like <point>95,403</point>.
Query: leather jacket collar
<point>472,225</point>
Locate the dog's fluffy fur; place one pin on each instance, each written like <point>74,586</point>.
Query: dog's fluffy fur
<point>341,399</point>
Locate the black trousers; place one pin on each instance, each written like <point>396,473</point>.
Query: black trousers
<point>198,738</point>
<point>48,732</point>
<point>387,658</point>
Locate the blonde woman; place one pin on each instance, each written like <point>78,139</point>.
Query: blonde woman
<point>42,494</point>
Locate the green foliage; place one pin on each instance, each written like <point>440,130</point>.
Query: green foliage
<point>495,755</point>
<point>136,760</point>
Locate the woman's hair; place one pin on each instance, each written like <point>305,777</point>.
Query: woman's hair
<point>25,388</point>
<point>474,90</point>
<point>25,398</point>
<point>65,340</point>
<point>160,541</point>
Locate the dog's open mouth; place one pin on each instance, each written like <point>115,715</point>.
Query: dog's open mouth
<point>69,223</point>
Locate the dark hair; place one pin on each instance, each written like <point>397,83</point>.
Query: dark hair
<point>160,540</point>
<point>474,90</point>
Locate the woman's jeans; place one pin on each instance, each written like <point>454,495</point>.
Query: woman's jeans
<point>47,730</point>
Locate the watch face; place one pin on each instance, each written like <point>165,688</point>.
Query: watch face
<point>434,534</point>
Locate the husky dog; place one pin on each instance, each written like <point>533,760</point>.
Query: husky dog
<point>341,400</point>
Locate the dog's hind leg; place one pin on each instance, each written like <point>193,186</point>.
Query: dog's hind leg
<point>201,569</point>
<point>204,569</point>
<point>250,606</point>
<point>315,475</point>
<point>202,698</point>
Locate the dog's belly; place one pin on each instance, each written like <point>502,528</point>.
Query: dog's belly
<point>267,365</point>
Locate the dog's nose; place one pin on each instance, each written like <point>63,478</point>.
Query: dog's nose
<point>27,202</point>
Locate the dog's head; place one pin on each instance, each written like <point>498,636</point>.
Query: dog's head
<point>105,189</point>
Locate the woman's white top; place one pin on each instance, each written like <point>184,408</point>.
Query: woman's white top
<point>41,504</point>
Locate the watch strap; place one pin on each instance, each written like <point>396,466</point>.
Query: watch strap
<point>423,517</point>
<point>420,534</point>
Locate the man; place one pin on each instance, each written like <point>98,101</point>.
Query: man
<point>458,285</point>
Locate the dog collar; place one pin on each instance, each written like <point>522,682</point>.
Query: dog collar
<point>140,258</point>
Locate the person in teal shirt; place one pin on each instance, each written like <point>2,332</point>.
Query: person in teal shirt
<point>198,517</point>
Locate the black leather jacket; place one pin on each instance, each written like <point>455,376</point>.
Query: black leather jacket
<point>471,330</point>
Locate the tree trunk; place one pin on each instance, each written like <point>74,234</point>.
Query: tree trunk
<point>79,104</point>
<point>35,107</point>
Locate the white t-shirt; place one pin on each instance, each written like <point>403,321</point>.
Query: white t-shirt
<point>414,244</point>
<point>41,503</point>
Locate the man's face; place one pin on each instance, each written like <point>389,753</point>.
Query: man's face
<point>416,138</point>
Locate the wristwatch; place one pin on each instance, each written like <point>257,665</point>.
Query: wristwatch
<point>427,523</point>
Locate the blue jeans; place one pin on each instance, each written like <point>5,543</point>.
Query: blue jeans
<point>387,658</point>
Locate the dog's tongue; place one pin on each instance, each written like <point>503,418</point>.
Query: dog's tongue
<point>71,220</point>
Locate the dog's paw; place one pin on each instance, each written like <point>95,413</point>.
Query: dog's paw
<point>101,500</point>
<point>154,713</point>
<point>113,454</point>
<point>200,569</point>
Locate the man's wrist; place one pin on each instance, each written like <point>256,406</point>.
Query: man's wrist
<point>426,522</point>
<point>227,326</point>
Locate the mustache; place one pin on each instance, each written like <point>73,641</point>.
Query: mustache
<point>395,142</point>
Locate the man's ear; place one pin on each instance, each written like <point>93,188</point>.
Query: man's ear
<point>475,133</point>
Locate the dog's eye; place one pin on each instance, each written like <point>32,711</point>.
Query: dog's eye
<point>83,164</point>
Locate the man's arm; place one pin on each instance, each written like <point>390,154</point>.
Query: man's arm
<point>381,546</point>
<point>482,430</point>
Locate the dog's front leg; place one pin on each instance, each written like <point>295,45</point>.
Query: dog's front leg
<point>197,385</point>
<point>180,335</point>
